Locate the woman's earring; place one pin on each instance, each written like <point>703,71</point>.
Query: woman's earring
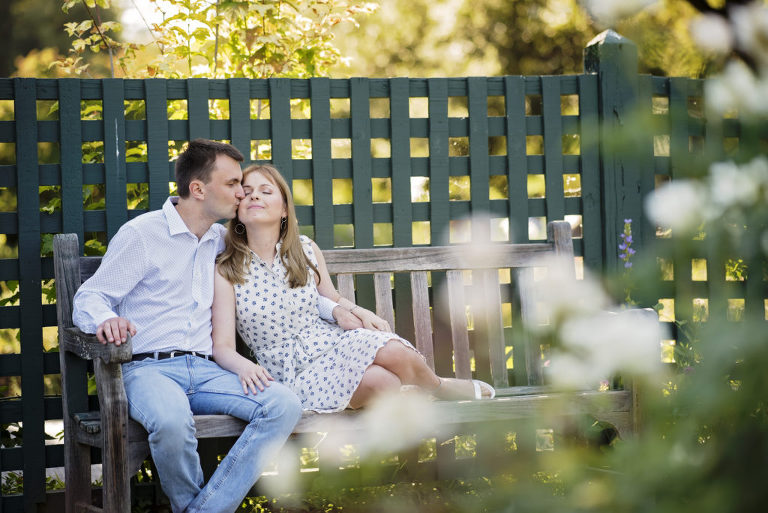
<point>239,228</point>
<point>283,220</point>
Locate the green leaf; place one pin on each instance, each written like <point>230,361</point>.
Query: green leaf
<point>84,25</point>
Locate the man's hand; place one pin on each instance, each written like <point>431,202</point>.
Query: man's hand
<point>115,330</point>
<point>346,319</point>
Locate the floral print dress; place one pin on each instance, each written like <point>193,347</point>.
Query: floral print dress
<point>321,362</point>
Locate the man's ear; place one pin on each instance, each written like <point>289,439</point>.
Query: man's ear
<point>197,189</point>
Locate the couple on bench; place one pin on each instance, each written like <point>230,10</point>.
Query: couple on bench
<point>181,285</point>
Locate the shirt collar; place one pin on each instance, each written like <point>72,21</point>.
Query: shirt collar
<point>176,224</point>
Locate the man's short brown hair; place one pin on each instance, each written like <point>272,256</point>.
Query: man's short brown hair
<point>197,160</point>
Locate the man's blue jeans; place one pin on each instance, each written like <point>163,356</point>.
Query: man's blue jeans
<point>164,394</point>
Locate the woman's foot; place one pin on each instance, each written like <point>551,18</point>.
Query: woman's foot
<point>453,388</point>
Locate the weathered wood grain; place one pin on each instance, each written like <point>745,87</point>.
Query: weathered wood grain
<point>384,307</point>
<point>422,317</point>
<point>88,347</point>
<point>434,258</point>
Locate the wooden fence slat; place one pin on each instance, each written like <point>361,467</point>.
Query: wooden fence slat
<point>592,223</point>
<point>422,316</point>
<point>240,115</point>
<point>384,308</point>
<point>114,155</point>
<point>71,158</point>
<point>679,159</point>
<point>322,169</point>
<point>361,162</point>
<point>30,274</point>
<point>643,231</point>
<point>553,148</point>
<point>478,156</point>
<point>439,211</point>
<point>517,163</point>
<point>197,108</point>
<point>157,141</point>
<point>400,172</point>
<point>280,123</point>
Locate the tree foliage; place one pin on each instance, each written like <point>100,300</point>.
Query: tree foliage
<point>499,37</point>
<point>220,39</point>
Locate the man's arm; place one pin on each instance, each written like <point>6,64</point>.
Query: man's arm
<point>122,267</point>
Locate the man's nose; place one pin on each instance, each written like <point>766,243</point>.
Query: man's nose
<point>240,194</point>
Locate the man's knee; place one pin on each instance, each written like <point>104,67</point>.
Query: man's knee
<point>283,402</point>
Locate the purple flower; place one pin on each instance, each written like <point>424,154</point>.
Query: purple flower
<point>631,251</point>
<point>629,239</point>
<point>627,265</point>
<point>627,221</point>
<point>622,246</point>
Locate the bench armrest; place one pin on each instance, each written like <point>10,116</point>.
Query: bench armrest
<point>88,347</point>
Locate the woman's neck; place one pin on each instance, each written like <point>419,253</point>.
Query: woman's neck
<point>263,242</point>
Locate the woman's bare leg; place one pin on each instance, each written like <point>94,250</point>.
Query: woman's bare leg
<point>376,379</point>
<point>410,367</point>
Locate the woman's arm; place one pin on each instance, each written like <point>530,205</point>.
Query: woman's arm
<point>325,287</point>
<point>252,376</point>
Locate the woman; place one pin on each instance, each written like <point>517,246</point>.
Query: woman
<point>266,287</point>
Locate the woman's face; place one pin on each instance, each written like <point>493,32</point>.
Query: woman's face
<point>263,203</point>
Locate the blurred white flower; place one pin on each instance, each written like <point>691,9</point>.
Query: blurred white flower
<point>597,346</point>
<point>737,88</point>
<point>712,33</point>
<point>610,11</point>
<point>560,294</point>
<point>731,185</point>
<point>678,205</point>
<point>750,24</point>
<point>393,422</point>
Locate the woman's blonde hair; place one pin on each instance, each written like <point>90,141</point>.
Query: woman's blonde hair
<point>236,258</point>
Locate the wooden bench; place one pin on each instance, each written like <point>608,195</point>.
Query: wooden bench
<point>440,333</point>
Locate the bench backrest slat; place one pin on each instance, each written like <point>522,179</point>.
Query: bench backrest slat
<point>458,319</point>
<point>345,283</point>
<point>435,258</point>
<point>532,352</point>
<point>489,324</point>
<point>422,316</point>
<point>383,289</point>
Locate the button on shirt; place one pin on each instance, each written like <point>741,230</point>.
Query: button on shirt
<point>157,274</point>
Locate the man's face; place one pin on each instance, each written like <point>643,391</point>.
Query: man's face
<point>224,191</point>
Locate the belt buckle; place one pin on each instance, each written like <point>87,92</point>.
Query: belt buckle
<point>172,354</point>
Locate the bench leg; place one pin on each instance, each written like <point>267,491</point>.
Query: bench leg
<point>77,472</point>
<point>115,455</point>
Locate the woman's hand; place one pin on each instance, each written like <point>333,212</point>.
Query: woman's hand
<point>252,376</point>
<point>345,319</point>
<point>370,320</point>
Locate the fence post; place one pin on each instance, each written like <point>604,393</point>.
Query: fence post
<point>614,59</point>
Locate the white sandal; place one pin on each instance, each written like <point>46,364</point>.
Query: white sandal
<point>479,385</point>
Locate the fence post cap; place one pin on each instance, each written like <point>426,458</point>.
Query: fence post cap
<point>611,37</point>
<point>609,46</point>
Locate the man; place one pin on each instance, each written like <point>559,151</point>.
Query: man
<point>156,283</point>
